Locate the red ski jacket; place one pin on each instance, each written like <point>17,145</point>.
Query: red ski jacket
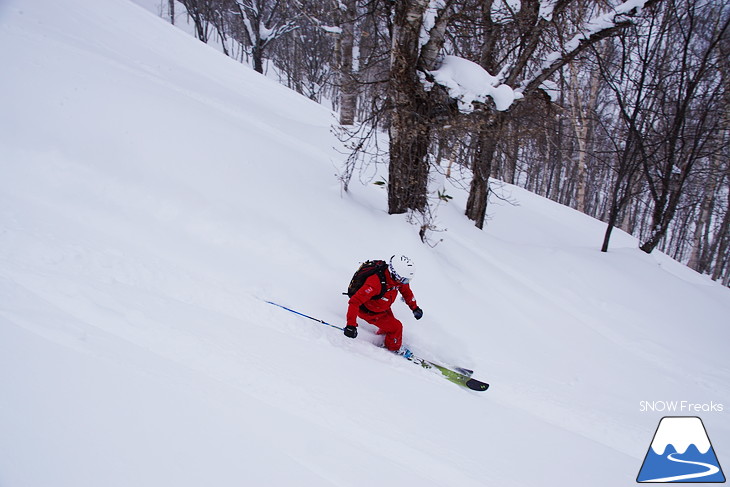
<point>362,303</point>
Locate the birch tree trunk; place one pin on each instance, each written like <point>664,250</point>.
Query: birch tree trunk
<point>348,86</point>
<point>581,122</point>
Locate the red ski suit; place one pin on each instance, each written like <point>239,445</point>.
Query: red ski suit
<point>377,311</point>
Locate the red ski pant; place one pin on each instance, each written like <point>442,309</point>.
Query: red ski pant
<point>388,325</point>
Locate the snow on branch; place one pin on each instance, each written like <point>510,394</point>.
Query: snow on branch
<point>243,12</point>
<point>546,9</point>
<point>430,16</point>
<point>271,34</point>
<point>433,32</point>
<point>596,29</point>
<point>331,29</point>
<point>255,24</point>
<point>467,83</point>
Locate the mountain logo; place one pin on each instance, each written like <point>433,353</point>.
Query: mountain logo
<point>680,452</point>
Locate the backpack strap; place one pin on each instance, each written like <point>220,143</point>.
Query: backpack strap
<point>383,285</point>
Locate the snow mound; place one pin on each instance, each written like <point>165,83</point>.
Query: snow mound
<point>467,82</point>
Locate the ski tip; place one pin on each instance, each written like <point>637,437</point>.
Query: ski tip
<point>477,385</point>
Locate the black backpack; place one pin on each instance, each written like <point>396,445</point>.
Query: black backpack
<point>367,269</point>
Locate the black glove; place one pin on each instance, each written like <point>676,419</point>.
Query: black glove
<point>418,313</point>
<point>350,331</point>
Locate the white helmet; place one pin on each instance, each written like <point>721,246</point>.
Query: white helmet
<point>401,268</point>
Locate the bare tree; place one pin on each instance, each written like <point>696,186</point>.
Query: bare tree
<point>523,66</point>
<point>202,12</point>
<point>627,70</point>
<point>262,22</point>
<point>688,87</point>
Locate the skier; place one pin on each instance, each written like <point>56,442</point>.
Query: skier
<point>372,303</point>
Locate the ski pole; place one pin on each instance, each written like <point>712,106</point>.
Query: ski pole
<point>306,316</point>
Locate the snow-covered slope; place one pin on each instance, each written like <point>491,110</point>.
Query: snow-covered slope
<point>154,192</point>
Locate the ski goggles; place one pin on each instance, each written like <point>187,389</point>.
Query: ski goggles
<point>396,277</point>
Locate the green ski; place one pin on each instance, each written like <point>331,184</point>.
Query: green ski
<point>450,375</point>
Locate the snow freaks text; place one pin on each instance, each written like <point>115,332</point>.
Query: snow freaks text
<point>680,407</point>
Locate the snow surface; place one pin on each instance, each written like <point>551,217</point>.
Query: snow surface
<point>155,192</point>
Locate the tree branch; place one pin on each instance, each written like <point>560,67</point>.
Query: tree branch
<point>581,42</point>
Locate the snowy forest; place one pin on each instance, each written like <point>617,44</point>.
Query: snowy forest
<point>617,109</point>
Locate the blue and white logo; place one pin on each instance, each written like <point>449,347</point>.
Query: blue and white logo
<point>680,452</point>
